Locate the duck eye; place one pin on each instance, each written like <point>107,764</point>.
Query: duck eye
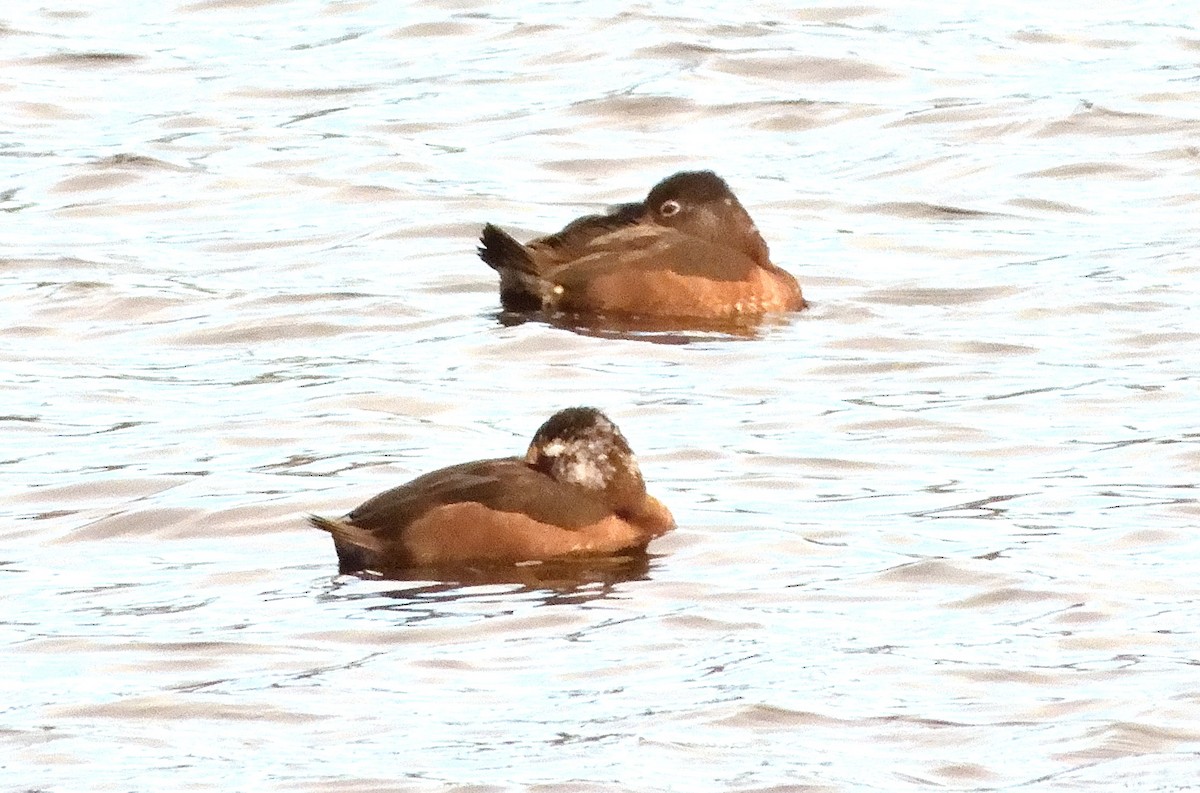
<point>669,208</point>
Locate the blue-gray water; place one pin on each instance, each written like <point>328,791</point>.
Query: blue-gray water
<point>937,533</point>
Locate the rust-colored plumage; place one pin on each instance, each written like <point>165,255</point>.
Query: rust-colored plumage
<point>577,492</point>
<point>690,250</point>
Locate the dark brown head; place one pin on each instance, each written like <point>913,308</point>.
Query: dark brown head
<point>701,204</point>
<point>581,446</point>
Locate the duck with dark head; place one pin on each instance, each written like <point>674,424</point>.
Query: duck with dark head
<point>577,492</point>
<point>689,250</point>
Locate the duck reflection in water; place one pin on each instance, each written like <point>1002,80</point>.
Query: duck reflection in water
<point>656,330</point>
<point>688,256</point>
<point>432,592</point>
<point>575,497</point>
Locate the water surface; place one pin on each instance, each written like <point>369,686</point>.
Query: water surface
<point>937,532</point>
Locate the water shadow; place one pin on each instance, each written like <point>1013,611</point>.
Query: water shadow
<point>656,330</point>
<point>555,582</point>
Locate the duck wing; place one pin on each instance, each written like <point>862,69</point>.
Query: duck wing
<point>500,250</point>
<point>505,485</point>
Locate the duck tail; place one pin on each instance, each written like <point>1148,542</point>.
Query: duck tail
<point>522,287</point>
<point>346,532</point>
<point>325,524</point>
<point>500,251</point>
<point>357,549</point>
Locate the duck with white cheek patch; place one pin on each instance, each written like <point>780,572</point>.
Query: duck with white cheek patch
<point>576,492</point>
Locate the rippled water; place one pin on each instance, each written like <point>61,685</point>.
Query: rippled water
<point>938,532</point>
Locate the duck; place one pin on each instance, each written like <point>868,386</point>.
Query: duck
<point>688,250</point>
<point>577,492</point>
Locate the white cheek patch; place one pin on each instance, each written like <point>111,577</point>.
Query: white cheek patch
<point>583,462</point>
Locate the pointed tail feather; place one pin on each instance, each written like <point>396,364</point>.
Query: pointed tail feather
<point>344,532</point>
<point>522,288</point>
<point>357,550</point>
<point>500,251</point>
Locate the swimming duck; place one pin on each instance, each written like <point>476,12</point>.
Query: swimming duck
<point>688,250</point>
<point>578,491</point>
